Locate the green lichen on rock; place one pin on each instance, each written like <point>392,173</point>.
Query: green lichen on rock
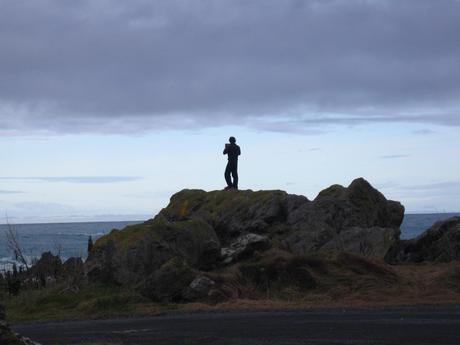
<point>128,237</point>
<point>217,206</point>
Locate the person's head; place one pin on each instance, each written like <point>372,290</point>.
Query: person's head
<point>232,140</point>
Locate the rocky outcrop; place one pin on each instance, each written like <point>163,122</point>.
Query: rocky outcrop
<point>206,230</point>
<point>49,266</point>
<point>339,214</point>
<point>440,243</point>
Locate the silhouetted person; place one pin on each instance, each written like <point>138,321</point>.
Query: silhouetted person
<point>232,150</point>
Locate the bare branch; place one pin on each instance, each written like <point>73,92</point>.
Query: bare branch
<point>12,240</point>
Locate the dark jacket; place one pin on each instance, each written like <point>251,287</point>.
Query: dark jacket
<point>233,151</point>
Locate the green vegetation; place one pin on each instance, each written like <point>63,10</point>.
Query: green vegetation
<point>158,230</point>
<point>216,203</point>
<point>90,301</point>
<point>127,238</point>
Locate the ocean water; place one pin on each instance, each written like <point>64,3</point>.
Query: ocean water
<point>68,239</point>
<point>414,224</point>
<point>71,239</point>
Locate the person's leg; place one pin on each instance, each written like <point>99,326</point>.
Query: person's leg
<point>235,175</point>
<point>227,175</point>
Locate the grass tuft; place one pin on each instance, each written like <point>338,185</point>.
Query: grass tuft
<point>91,301</point>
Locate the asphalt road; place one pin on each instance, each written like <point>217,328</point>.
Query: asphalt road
<point>407,326</point>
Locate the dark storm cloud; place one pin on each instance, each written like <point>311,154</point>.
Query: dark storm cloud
<point>111,66</point>
<point>75,179</point>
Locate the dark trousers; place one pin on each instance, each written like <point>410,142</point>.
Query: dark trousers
<point>232,168</point>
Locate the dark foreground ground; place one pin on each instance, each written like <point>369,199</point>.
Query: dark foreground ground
<point>408,325</point>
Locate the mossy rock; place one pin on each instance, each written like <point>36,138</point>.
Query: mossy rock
<point>194,240</point>
<point>169,283</point>
<point>214,207</point>
<point>126,238</point>
<point>334,191</point>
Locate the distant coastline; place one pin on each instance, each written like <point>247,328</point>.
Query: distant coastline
<point>76,219</point>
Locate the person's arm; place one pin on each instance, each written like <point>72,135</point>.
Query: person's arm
<point>225,150</point>
<point>239,151</point>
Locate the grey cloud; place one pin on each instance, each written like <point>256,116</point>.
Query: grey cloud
<point>387,185</point>
<point>442,186</point>
<point>153,194</point>
<point>440,119</point>
<point>75,179</point>
<point>423,131</point>
<point>10,192</point>
<point>38,207</point>
<point>395,156</point>
<point>436,196</point>
<point>436,186</point>
<point>119,66</point>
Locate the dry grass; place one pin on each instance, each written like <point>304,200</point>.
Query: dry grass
<point>273,280</point>
<point>340,280</point>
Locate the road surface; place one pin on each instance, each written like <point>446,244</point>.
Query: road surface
<point>407,326</point>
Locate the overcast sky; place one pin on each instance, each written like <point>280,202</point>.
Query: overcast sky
<point>108,107</point>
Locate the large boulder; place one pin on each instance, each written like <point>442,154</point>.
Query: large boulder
<point>205,230</point>
<point>139,250</point>
<point>345,218</point>
<point>234,213</point>
<point>440,243</point>
<point>359,205</point>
